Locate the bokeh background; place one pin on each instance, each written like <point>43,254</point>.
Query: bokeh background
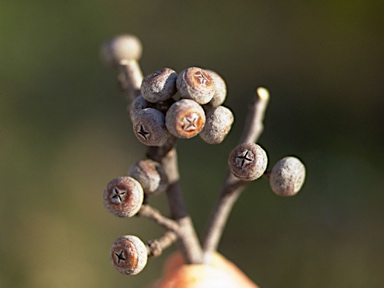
<point>65,133</point>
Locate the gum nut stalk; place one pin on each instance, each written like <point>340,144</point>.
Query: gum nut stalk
<point>248,161</point>
<point>149,127</point>
<point>159,86</point>
<point>287,176</point>
<point>196,84</point>
<point>220,89</point>
<point>137,105</point>
<point>121,47</point>
<point>129,255</point>
<point>217,125</point>
<point>123,196</point>
<point>185,118</point>
<point>151,176</point>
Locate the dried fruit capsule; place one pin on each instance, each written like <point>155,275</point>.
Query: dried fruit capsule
<point>150,175</point>
<point>287,176</point>
<point>122,47</point>
<point>123,196</point>
<point>149,127</point>
<point>159,86</point>
<point>185,118</point>
<point>248,161</point>
<point>220,89</point>
<point>129,255</point>
<point>196,84</point>
<point>217,125</point>
<point>137,105</point>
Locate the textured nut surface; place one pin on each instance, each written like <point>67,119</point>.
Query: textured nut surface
<point>150,175</point>
<point>159,86</point>
<point>137,105</point>
<point>220,89</point>
<point>149,127</point>
<point>287,176</point>
<point>185,118</point>
<point>248,161</point>
<point>123,196</point>
<point>129,255</point>
<point>122,47</point>
<point>196,84</point>
<point>217,125</point>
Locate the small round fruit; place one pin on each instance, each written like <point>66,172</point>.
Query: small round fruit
<point>122,47</point>
<point>196,84</point>
<point>129,255</point>
<point>217,125</point>
<point>149,127</point>
<point>287,176</point>
<point>185,118</point>
<point>248,161</point>
<point>220,89</point>
<point>159,86</point>
<point>150,175</point>
<point>123,196</point>
<point>137,105</point>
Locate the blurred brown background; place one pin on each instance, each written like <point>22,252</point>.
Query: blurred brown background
<point>65,133</point>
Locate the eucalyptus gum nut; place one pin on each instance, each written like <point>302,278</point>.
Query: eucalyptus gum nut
<point>149,127</point>
<point>137,105</point>
<point>122,47</point>
<point>123,196</point>
<point>217,125</point>
<point>196,84</point>
<point>159,86</point>
<point>129,255</point>
<point>150,175</point>
<point>287,176</point>
<point>185,118</point>
<point>220,89</point>
<point>248,161</point>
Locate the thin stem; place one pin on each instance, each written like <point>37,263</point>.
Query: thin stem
<point>153,214</point>
<point>233,186</point>
<point>157,246</point>
<point>188,240</point>
<point>130,77</point>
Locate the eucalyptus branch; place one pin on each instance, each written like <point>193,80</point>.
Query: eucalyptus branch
<point>156,247</point>
<point>232,186</point>
<point>153,214</point>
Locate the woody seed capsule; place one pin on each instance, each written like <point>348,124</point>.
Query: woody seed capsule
<point>137,105</point>
<point>129,255</point>
<point>159,86</point>
<point>217,125</point>
<point>196,84</point>
<point>185,118</point>
<point>287,176</point>
<point>248,161</point>
<point>123,196</point>
<point>149,127</point>
<point>122,47</point>
<point>220,89</point>
<point>150,175</point>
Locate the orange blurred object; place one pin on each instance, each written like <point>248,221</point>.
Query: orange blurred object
<point>220,272</point>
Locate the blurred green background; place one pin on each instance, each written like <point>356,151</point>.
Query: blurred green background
<point>65,133</point>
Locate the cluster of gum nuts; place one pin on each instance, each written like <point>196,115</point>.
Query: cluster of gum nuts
<point>180,105</point>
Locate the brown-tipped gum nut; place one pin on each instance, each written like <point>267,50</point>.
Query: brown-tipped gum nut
<point>159,86</point>
<point>287,176</point>
<point>122,47</point>
<point>123,196</point>
<point>149,127</point>
<point>217,125</point>
<point>150,175</point>
<point>196,84</point>
<point>220,89</point>
<point>129,255</point>
<point>248,161</point>
<point>185,118</point>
